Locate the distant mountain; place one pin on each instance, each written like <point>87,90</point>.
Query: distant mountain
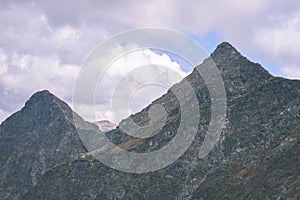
<point>256,157</point>
<point>105,125</point>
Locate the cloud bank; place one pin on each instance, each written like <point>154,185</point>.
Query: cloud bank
<point>44,43</point>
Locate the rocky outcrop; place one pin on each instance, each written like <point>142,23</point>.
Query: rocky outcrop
<point>32,141</point>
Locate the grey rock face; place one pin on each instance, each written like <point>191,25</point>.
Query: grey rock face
<point>256,156</point>
<point>33,140</point>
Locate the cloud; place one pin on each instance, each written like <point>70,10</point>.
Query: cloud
<point>128,84</point>
<point>281,42</point>
<point>28,30</point>
<point>27,74</point>
<point>43,43</point>
<point>31,73</point>
<point>3,64</point>
<point>292,72</point>
<point>3,115</point>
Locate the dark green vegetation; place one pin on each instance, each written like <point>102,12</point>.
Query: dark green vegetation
<point>256,157</point>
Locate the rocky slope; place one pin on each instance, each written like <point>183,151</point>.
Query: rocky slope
<point>35,139</point>
<point>256,156</point>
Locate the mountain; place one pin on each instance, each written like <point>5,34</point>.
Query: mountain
<point>40,136</point>
<point>105,125</point>
<point>256,156</point>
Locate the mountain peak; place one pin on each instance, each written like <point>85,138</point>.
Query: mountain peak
<point>43,96</point>
<point>229,59</point>
<point>226,46</point>
<point>239,74</point>
<point>225,51</point>
<point>42,134</point>
<point>44,92</point>
<point>42,100</point>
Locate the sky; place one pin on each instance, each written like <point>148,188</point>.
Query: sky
<point>44,43</point>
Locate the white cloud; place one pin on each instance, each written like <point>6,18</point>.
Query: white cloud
<point>141,71</point>
<point>3,115</point>
<point>29,73</point>
<point>66,33</point>
<point>27,30</point>
<point>130,83</point>
<point>292,72</point>
<point>281,42</point>
<point>3,64</point>
<point>43,43</point>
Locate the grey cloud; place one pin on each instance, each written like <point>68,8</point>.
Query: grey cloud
<point>36,28</point>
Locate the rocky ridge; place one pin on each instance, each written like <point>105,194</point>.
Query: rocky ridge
<point>40,136</point>
<point>256,156</point>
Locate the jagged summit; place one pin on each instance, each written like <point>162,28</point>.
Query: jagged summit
<point>44,105</point>
<point>225,52</point>
<point>239,74</point>
<point>45,98</point>
<point>42,134</point>
<point>42,93</point>
<point>226,55</point>
<point>41,96</point>
<point>228,58</point>
<point>225,47</point>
